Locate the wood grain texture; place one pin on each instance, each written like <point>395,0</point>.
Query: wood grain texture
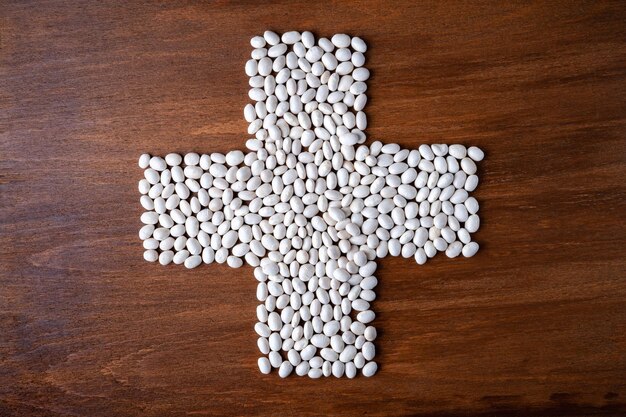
<point>535,324</point>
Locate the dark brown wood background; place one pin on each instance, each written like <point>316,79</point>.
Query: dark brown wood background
<point>533,325</point>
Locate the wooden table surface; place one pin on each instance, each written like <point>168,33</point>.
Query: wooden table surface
<point>535,324</point>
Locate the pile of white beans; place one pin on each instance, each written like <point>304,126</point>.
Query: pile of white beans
<point>309,206</point>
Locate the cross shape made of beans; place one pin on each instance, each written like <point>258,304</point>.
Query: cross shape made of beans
<point>309,205</point>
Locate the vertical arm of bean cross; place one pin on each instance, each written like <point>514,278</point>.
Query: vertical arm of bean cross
<point>309,205</point>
